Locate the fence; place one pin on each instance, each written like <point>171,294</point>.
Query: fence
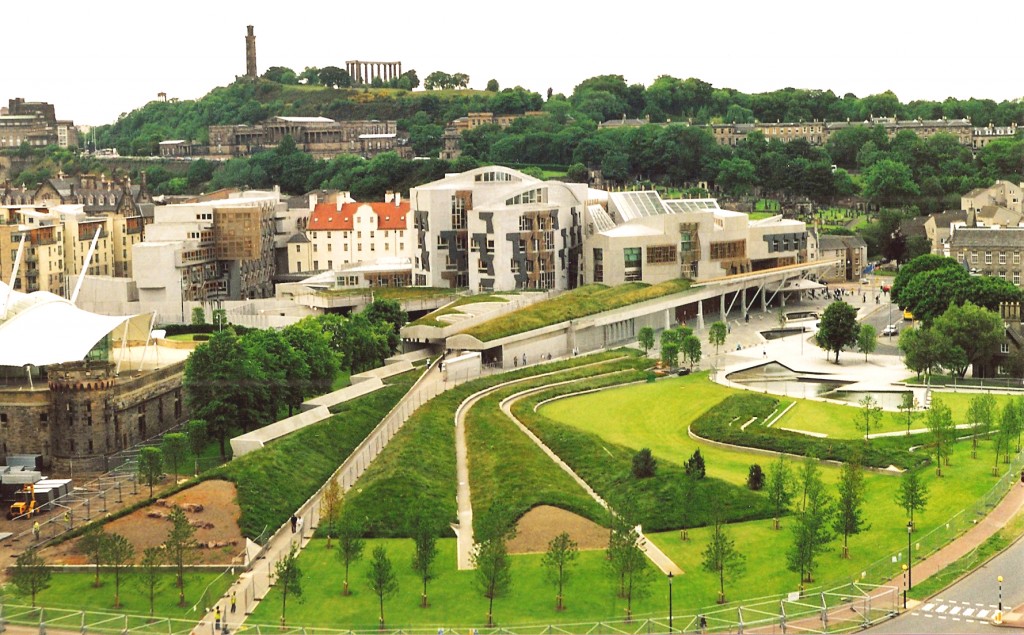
<point>846,608</point>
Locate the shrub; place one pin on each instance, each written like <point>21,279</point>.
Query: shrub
<point>755,477</point>
<point>695,466</point>
<point>644,464</point>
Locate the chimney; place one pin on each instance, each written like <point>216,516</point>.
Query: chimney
<point>389,196</point>
<point>313,200</point>
<point>398,199</point>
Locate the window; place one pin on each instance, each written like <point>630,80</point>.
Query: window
<point>458,212</point>
<point>330,246</point>
<point>988,257</point>
<point>974,257</point>
<point>316,265</point>
<point>1002,258</point>
<point>525,224</point>
<point>1004,348</point>
<point>330,264</point>
<point>661,254</point>
<point>315,247</point>
<point>1016,278</point>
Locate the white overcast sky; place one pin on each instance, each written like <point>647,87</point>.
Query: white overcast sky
<point>98,59</point>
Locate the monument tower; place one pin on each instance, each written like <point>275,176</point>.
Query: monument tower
<point>250,54</point>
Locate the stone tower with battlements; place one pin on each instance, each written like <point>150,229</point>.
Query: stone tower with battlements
<point>250,54</point>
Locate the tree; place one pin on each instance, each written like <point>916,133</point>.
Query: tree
<point>849,518</point>
<point>780,491</point>
<point>330,507</point>
<point>388,312</point>
<point>281,75</point>
<point>492,86</point>
<point>151,573</point>
<point>93,544</point>
<point>382,578</point>
<point>350,543</point>
<point>424,538</point>
<point>939,421</point>
<point>174,449</point>
<point>694,466</point>
<point>119,555</point>
<point>721,558</point>
<point>908,406</point>
<point>284,369</point>
<point>870,412</point>
<point>975,331</point>
<point>866,340</point>
<point>493,571</point>
<point>812,529</point>
<point>30,574</point>
<point>644,464</point>
<point>717,333</point>
<point>180,547</point>
<point>558,561</point>
<point>889,183</point>
<point>307,336</point>
<point>289,578</point>
<point>691,349</point>
<point>755,478</point>
<point>334,77</point>
<point>626,561</point>
<point>925,350</point>
<point>912,269</point>
<point>645,338</point>
<point>195,430</point>
<point>198,316</point>
<point>980,414</point>
<point>838,328</point>
<point>912,495</point>
<point>151,466</point>
<point>1009,424</point>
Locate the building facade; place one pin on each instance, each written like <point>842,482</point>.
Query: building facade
<point>319,136</point>
<point>850,254</point>
<point>34,123</point>
<point>990,251</point>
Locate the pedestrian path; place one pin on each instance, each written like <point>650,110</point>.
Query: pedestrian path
<point>969,612</point>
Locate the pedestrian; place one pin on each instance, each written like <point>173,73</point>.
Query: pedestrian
<point>524,359</point>
<point>295,523</point>
<point>764,353</point>
<point>234,601</point>
<point>216,617</point>
<point>67,519</point>
<point>299,524</point>
<point>515,361</point>
<point>35,531</point>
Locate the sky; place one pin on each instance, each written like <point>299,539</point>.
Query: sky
<point>97,60</point>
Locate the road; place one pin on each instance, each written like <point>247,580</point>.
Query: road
<point>967,606</point>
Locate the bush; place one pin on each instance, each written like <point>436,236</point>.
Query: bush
<point>755,477</point>
<point>201,337</point>
<point>695,466</point>
<point>644,464</point>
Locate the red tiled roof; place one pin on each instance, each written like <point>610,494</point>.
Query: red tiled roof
<point>389,215</point>
<point>326,216</point>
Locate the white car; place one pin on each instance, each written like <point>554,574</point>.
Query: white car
<point>891,330</point>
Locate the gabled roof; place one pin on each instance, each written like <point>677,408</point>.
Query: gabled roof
<point>327,216</point>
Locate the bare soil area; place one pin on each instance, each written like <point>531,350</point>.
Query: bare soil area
<point>211,507</point>
<point>542,523</point>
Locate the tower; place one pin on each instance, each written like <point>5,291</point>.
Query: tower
<point>250,54</point>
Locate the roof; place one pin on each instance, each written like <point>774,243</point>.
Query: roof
<point>832,241</point>
<point>305,119</point>
<point>383,135</point>
<point>634,230</point>
<point>1005,237</point>
<point>171,142</point>
<point>41,328</point>
<point>298,238</point>
<point>327,216</point>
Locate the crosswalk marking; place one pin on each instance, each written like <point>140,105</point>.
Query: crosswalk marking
<point>968,612</point>
<point>982,614</point>
<point>955,610</point>
<point>942,609</point>
<point>928,607</point>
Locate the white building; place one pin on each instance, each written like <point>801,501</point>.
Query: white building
<point>494,228</point>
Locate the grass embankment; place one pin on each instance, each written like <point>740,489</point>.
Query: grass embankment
<point>586,300</point>
<point>274,481</point>
<point>455,599</point>
<point>668,500</point>
<point>431,319</point>
<point>416,470</point>
<point>725,423</point>
<point>74,591</point>
<point>510,472</point>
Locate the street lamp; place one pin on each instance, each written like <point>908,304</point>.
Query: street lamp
<point>1000,579</point>
<point>910,555</point>
<point>904,586</point>
<point>670,600</point>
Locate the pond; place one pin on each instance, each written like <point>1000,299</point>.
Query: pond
<point>780,380</point>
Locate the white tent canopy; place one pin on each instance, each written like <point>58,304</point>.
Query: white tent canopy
<point>41,328</point>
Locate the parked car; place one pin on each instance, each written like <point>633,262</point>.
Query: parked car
<point>891,330</point>
<point>682,372</point>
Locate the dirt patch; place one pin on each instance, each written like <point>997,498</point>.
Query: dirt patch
<point>216,524</point>
<point>542,523</point>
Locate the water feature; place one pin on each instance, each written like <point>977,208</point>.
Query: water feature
<point>780,380</point>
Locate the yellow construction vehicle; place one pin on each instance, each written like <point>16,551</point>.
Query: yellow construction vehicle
<point>25,504</point>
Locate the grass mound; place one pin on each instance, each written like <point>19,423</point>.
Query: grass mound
<point>723,423</point>
<point>274,481</point>
<point>586,300</point>
<point>669,500</point>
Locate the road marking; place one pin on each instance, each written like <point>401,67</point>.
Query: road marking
<point>978,604</point>
<point>942,609</point>
<point>982,614</point>
<point>929,615</point>
<point>956,619</point>
<point>928,607</point>
<point>955,610</point>
<point>993,606</point>
<point>968,612</point>
<point>942,617</point>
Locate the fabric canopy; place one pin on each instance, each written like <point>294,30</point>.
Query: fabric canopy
<point>41,328</point>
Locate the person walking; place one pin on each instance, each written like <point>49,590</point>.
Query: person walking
<point>35,531</point>
<point>295,523</point>
<point>216,618</point>
<point>234,601</point>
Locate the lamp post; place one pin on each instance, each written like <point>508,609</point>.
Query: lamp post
<point>670,600</point>
<point>910,555</point>
<point>904,586</point>
<point>999,579</point>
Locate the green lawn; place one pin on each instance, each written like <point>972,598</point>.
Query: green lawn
<point>341,380</point>
<point>431,319</point>
<point>454,599</point>
<point>75,591</point>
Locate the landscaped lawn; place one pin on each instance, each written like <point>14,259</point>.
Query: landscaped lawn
<point>455,601</point>
<point>431,319</point>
